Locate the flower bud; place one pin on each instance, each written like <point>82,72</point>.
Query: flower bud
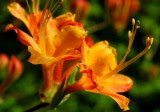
<point>80,8</point>
<point>15,68</point>
<point>3,61</point>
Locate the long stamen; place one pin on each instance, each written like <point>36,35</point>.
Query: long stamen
<point>44,20</point>
<point>149,42</point>
<point>32,17</point>
<point>45,17</point>
<point>51,5</point>
<point>33,6</point>
<point>49,13</point>
<point>37,6</point>
<point>43,14</point>
<point>54,8</point>
<point>131,36</point>
<point>42,30</point>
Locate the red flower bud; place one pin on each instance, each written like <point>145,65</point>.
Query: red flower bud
<point>3,61</point>
<point>80,7</point>
<point>15,68</point>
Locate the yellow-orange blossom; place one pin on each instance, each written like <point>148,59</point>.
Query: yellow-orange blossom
<point>53,39</point>
<point>100,70</point>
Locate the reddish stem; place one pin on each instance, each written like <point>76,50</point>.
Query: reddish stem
<point>47,77</point>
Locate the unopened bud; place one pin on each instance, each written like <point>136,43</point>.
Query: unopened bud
<point>15,68</point>
<point>3,61</point>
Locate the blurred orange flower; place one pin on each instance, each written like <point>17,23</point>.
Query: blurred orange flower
<point>121,10</point>
<point>80,8</point>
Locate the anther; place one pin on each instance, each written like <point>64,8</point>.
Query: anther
<point>138,22</point>
<point>149,42</point>
<point>129,34</point>
<point>133,21</point>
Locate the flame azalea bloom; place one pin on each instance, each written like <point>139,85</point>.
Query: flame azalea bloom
<point>121,10</point>
<point>53,39</point>
<point>100,70</point>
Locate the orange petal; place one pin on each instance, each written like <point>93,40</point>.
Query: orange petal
<point>51,32</point>
<point>70,37</point>
<point>37,58</point>
<point>101,58</point>
<point>73,23</point>
<point>37,18</point>
<point>68,71</point>
<point>24,37</point>
<point>84,83</point>
<point>84,50</point>
<point>120,99</point>
<point>19,12</point>
<point>117,83</point>
<point>65,17</point>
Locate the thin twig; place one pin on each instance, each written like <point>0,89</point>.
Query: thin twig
<point>37,107</point>
<point>97,27</point>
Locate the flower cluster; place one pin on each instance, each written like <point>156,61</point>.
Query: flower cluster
<point>61,44</point>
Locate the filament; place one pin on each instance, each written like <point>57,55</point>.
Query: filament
<point>149,42</point>
<point>131,36</point>
<point>33,18</point>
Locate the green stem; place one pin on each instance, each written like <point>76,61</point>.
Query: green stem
<point>41,105</point>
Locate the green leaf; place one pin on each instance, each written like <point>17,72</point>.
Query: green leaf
<point>58,96</point>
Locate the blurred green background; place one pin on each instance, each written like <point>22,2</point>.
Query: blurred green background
<point>145,72</point>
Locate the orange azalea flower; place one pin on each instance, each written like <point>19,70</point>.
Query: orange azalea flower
<point>121,10</point>
<point>54,39</point>
<point>100,70</point>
